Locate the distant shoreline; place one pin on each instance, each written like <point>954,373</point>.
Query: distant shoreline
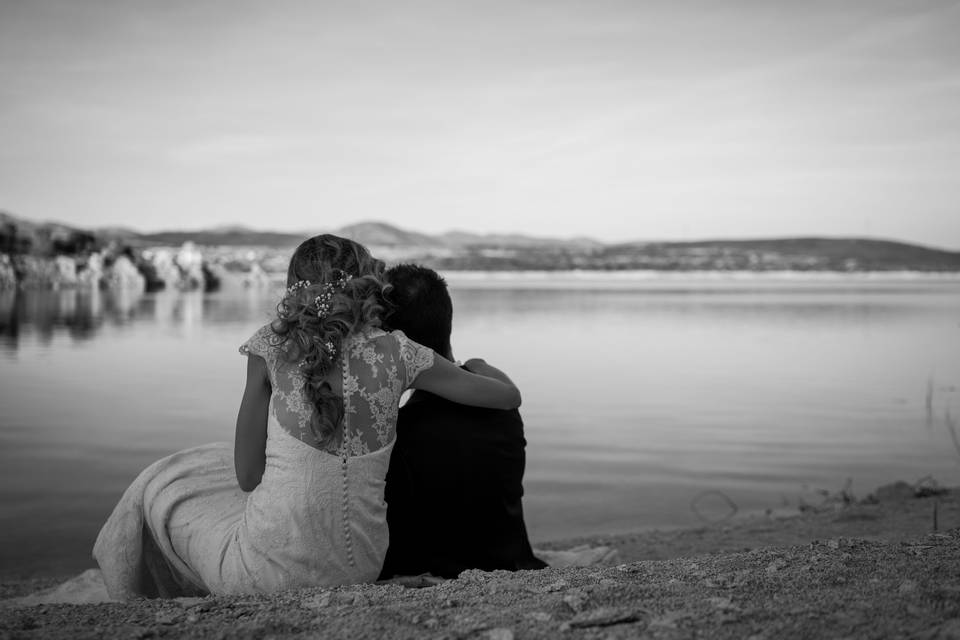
<point>653,275</point>
<point>717,274</point>
<point>243,250</point>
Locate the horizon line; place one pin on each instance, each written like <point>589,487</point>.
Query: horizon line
<point>307,234</point>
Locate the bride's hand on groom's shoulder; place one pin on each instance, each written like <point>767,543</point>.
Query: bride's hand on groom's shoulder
<point>481,367</point>
<point>473,364</point>
<point>474,383</point>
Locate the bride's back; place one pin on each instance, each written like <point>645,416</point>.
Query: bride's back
<point>370,375</point>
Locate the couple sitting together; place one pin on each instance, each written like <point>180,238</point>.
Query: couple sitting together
<point>329,481</point>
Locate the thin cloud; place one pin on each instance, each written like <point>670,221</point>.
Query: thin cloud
<point>233,148</point>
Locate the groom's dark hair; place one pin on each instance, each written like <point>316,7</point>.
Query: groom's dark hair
<point>420,306</point>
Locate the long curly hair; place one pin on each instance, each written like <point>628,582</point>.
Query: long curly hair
<point>334,288</point>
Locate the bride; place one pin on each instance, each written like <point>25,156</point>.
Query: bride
<point>298,500</point>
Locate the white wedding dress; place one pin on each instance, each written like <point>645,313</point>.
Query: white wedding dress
<point>318,517</point>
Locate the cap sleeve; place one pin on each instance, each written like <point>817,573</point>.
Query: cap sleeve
<point>262,343</point>
<point>416,358</point>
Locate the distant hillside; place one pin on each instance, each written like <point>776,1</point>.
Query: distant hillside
<point>19,236</point>
<point>370,233</point>
<point>458,250</point>
<point>380,234</point>
<point>467,239</point>
<point>820,254</point>
<point>231,237</point>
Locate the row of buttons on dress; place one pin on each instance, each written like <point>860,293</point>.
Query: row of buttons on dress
<point>346,510</point>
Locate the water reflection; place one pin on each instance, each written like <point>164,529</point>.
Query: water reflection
<point>638,395</point>
<point>846,306</point>
<point>82,314</point>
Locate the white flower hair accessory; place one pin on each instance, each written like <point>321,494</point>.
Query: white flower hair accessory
<point>296,286</point>
<point>322,301</point>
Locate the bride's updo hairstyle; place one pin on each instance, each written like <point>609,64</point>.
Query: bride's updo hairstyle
<point>334,288</point>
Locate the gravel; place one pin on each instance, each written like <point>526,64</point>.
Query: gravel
<point>903,584</point>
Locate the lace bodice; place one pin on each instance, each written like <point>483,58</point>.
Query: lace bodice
<point>375,369</point>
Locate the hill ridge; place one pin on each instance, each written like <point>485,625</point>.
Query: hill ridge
<point>455,250</point>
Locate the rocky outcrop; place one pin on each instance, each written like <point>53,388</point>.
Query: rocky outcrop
<point>256,277</point>
<point>150,270</point>
<point>42,255</point>
<point>123,275</point>
<point>66,272</point>
<point>8,276</point>
<point>38,273</point>
<point>185,269</point>
<point>91,274</point>
<point>190,262</point>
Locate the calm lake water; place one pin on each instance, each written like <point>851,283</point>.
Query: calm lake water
<point>641,391</point>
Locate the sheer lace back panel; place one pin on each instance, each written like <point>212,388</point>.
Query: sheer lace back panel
<point>375,369</point>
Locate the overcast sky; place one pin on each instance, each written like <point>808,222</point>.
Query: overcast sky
<point>617,120</point>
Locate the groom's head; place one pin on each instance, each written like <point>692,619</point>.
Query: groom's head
<point>422,306</point>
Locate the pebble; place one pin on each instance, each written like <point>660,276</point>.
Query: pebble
<point>776,566</point>
<point>604,616</point>
<point>190,602</point>
<point>320,601</point>
<point>473,575</point>
<point>723,604</point>
<point>500,633</point>
<point>916,611</point>
<point>167,617</point>
<point>575,600</point>
<point>907,586</point>
<point>559,585</point>
<point>669,620</point>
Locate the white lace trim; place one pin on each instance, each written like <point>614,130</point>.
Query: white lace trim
<point>416,358</point>
<point>370,370</point>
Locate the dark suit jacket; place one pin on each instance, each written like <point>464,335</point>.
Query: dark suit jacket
<point>454,490</point>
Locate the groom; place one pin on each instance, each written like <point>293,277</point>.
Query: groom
<point>454,485</point>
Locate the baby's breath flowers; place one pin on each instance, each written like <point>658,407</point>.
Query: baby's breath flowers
<point>322,305</point>
<point>322,301</point>
<point>299,284</point>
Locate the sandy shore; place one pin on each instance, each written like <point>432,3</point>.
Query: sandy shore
<point>852,570</point>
